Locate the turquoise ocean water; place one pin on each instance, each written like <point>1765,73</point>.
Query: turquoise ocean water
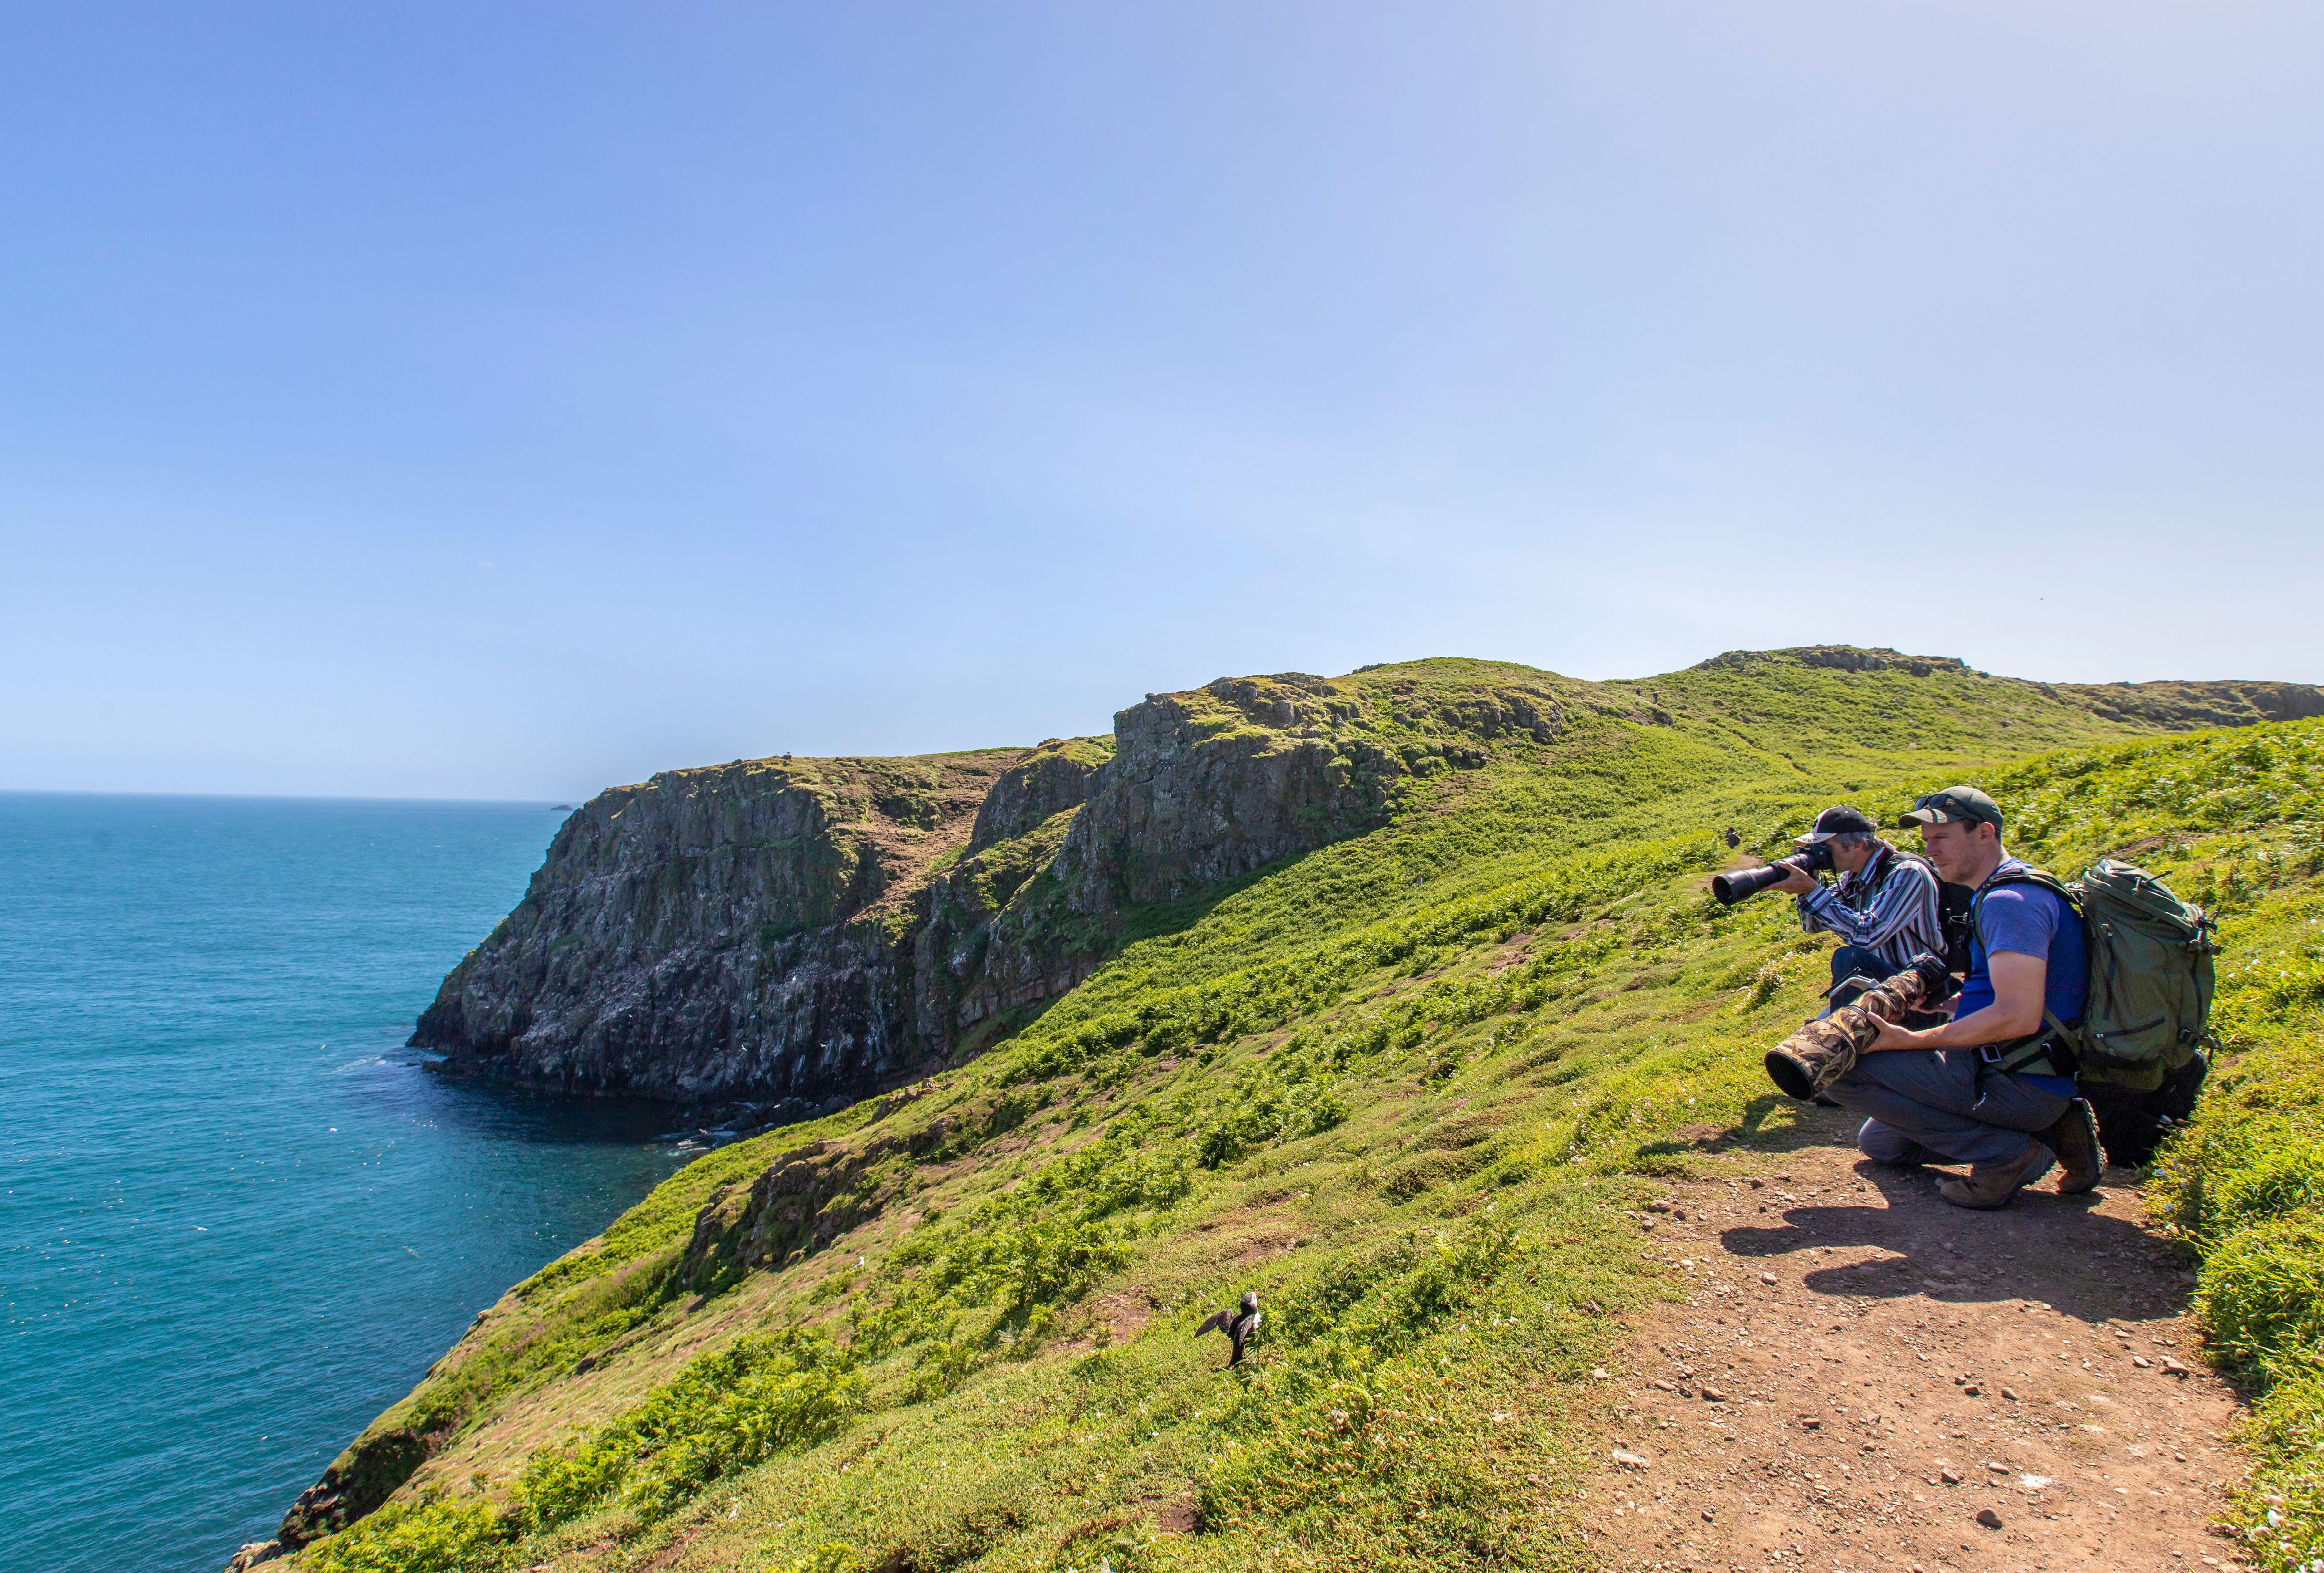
<point>237,1219</point>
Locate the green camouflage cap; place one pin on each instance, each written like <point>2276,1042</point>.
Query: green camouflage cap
<point>1955,805</point>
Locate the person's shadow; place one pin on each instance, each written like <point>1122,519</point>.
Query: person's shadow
<point>2042,1247</point>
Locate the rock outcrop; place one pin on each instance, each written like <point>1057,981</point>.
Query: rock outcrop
<point>803,932</point>
<point>1209,785</point>
<point>1053,779</point>
<point>2186,706</point>
<point>1212,784</point>
<point>357,1482</point>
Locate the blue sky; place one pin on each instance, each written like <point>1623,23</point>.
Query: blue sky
<point>505,401</point>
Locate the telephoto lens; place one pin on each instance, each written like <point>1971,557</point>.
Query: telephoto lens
<point>1745,883</point>
<point>1824,1050</point>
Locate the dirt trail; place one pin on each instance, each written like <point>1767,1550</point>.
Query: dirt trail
<point>1862,1371</point>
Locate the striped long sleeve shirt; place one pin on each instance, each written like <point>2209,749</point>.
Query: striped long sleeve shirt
<point>1890,909</point>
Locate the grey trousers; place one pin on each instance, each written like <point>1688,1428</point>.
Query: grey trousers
<point>1935,1100</point>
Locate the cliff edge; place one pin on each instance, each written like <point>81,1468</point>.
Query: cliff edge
<point>804,933</point>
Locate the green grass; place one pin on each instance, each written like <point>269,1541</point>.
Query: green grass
<point>1404,1087</point>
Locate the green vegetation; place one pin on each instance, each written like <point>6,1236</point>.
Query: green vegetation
<point>1404,1087</point>
<point>726,1411</point>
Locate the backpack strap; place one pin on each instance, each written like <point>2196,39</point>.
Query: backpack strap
<point>2056,1041</point>
<point>2022,876</point>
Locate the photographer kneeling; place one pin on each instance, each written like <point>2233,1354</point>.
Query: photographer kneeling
<point>1885,907</point>
<point>1993,1088</point>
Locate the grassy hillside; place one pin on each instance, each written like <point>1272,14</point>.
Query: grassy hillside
<point>1409,1089</point>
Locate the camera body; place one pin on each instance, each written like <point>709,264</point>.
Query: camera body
<point>1744,883</point>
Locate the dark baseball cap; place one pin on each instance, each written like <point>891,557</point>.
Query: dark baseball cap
<point>1840,821</point>
<point>1954,805</point>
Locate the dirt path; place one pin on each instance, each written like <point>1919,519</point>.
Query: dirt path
<point>1863,1371</point>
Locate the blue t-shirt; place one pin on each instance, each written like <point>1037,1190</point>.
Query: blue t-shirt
<point>2029,921</point>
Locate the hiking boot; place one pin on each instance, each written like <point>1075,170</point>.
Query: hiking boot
<point>1991,1185</point>
<point>2075,1139</point>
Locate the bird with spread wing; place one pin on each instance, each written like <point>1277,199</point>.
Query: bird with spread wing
<point>1238,1325</point>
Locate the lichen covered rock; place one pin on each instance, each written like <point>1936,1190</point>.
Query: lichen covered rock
<point>1212,784</point>
<point>1052,779</point>
<point>1208,785</point>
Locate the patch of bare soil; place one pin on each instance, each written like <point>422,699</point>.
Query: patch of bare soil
<point>1864,1377</point>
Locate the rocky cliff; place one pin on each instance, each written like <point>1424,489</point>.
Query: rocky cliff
<point>802,933</point>
<point>742,929</point>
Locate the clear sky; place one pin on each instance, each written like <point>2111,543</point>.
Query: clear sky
<point>490,400</point>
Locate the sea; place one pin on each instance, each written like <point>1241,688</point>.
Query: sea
<point>237,1216</point>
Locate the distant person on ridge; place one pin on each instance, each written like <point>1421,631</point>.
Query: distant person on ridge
<point>1993,1088</point>
<point>1884,906</point>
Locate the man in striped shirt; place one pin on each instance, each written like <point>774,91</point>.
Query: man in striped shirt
<point>1885,907</point>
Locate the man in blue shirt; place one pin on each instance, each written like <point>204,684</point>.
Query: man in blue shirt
<point>1993,1088</point>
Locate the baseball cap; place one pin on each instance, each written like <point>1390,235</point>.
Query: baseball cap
<point>1840,821</point>
<point>1955,805</point>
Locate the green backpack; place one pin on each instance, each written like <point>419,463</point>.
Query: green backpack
<point>2150,974</point>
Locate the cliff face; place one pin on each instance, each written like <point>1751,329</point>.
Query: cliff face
<point>2185,706</point>
<point>801,931</point>
<point>1212,784</point>
<point>739,929</point>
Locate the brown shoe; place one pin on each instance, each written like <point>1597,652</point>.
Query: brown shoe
<point>1991,1185</point>
<point>2075,1139</point>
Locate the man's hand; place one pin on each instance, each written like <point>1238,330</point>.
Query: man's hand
<point>1795,882</point>
<point>2016,1011</point>
<point>1893,1036</point>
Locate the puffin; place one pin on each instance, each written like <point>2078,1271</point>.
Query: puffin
<point>1239,1326</point>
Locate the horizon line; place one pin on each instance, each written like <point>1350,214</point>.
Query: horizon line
<point>540,803</point>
